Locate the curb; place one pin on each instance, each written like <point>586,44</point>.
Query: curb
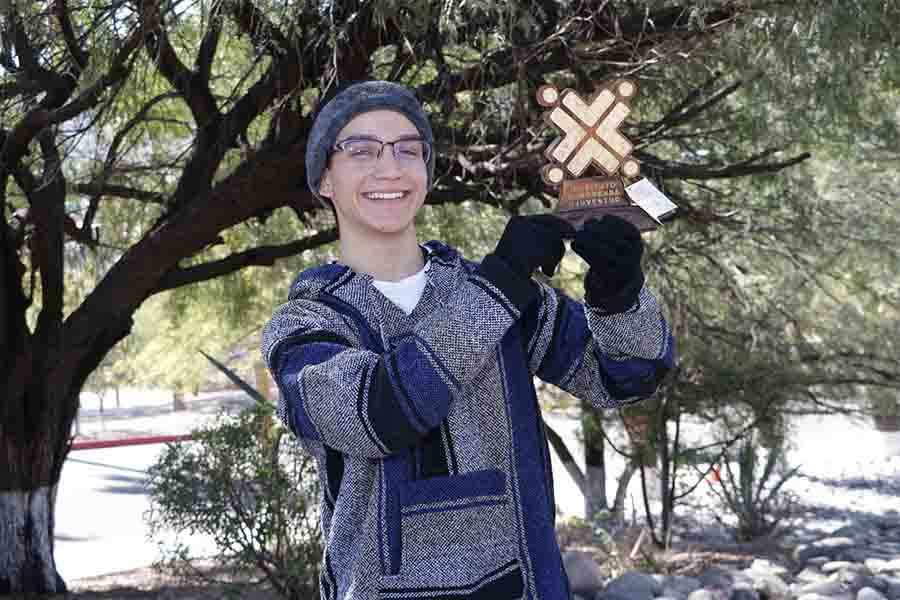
<point>132,441</point>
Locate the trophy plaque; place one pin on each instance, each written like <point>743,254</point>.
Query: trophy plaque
<point>591,138</point>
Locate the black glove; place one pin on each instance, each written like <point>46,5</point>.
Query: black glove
<point>534,241</point>
<point>612,247</point>
<point>526,244</point>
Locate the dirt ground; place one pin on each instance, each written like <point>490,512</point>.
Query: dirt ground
<point>626,554</point>
<point>152,584</point>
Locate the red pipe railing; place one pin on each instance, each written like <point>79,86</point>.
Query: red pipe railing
<point>132,441</point>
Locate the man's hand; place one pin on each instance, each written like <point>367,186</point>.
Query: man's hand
<point>612,247</point>
<point>534,241</point>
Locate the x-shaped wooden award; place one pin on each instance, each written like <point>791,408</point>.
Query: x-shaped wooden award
<point>591,137</point>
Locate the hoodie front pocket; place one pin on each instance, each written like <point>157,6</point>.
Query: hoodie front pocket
<point>456,515</point>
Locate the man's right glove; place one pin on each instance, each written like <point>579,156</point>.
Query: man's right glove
<point>527,243</point>
<point>612,247</point>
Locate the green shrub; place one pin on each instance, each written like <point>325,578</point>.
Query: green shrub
<point>752,491</point>
<point>252,490</point>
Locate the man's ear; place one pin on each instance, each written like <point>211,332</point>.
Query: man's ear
<point>326,188</point>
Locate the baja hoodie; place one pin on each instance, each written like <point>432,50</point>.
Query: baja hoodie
<point>426,428</point>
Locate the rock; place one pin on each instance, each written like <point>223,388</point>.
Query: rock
<point>766,566</point>
<point>868,593</point>
<point>768,586</point>
<point>608,596</point>
<point>893,565</point>
<point>634,586</point>
<point>825,588</point>
<point>839,565</point>
<point>814,597</point>
<point>861,555</point>
<point>876,565</point>
<point>743,591</point>
<point>678,586</point>
<point>855,579</point>
<point>585,575</point>
<point>716,577</point>
<point>705,594</point>
<point>824,547</point>
<point>845,596</point>
<point>809,576</point>
<point>856,532</point>
<point>891,587</point>
<point>890,519</point>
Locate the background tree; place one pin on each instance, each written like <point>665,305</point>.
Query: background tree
<point>167,139</point>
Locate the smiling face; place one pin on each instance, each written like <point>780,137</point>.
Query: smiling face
<point>376,202</point>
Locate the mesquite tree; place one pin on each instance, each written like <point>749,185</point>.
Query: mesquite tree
<point>194,115</point>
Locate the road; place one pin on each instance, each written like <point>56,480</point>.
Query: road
<point>100,509</point>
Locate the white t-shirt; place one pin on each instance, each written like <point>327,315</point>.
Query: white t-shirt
<point>407,292</point>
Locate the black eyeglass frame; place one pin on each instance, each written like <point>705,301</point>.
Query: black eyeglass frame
<point>426,145</point>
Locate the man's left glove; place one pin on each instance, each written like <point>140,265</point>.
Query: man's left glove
<point>527,243</point>
<point>612,247</point>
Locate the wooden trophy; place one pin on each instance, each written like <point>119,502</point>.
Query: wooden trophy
<point>590,137</point>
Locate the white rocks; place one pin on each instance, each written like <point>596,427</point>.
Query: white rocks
<point>837,565</point>
<point>868,593</point>
<point>823,571</point>
<point>770,587</point>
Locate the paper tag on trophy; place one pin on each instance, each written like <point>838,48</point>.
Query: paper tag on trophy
<point>591,138</point>
<point>654,202</point>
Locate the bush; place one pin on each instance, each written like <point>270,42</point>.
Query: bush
<point>753,493</point>
<point>249,488</point>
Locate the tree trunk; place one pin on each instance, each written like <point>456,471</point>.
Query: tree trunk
<point>34,441</point>
<point>26,541</point>
<point>594,461</point>
<point>39,405</point>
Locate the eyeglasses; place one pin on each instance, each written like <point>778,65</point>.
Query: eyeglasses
<point>366,152</point>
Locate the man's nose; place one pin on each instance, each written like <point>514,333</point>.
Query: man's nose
<point>387,164</point>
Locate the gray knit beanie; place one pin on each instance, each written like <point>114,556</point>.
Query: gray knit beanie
<point>354,100</point>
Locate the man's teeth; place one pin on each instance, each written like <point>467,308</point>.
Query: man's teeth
<point>385,195</point>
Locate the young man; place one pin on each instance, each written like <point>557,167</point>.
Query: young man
<point>407,370</point>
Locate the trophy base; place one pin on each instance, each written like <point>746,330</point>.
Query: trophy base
<point>631,213</point>
<point>583,199</point>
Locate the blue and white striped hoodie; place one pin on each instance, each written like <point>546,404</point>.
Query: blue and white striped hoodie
<point>426,427</point>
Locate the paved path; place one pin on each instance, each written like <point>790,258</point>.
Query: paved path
<point>101,503</point>
<point>102,495</point>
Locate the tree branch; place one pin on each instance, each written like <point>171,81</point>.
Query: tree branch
<point>207,52</point>
<point>112,156</point>
<point>554,53</point>
<point>91,96</point>
<point>261,256</point>
<point>105,189</point>
<point>192,87</point>
<point>79,56</point>
<point>750,166</point>
<point>47,202</point>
